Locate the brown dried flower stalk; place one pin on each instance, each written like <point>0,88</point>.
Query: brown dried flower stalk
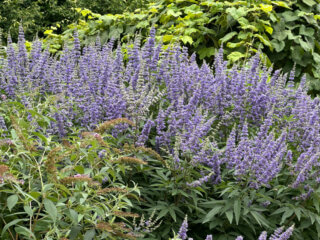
<point>116,229</point>
<point>3,169</point>
<point>130,160</point>
<point>76,178</point>
<point>109,124</point>
<point>113,189</point>
<point>50,163</point>
<point>94,135</point>
<point>126,214</point>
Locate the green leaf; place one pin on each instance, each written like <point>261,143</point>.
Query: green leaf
<point>228,37</point>
<point>211,214</point>
<point>278,45</point>
<point>235,45</point>
<point>266,8</point>
<point>237,210</point>
<point>268,29</point>
<point>235,56</point>
<point>237,13</point>
<point>186,39</point>
<point>286,214</point>
<point>290,16</point>
<point>12,201</point>
<point>28,210</point>
<point>306,31</point>
<point>167,38</point>
<point>75,230</point>
<point>229,215</point>
<point>305,45</point>
<point>316,57</point>
<point>206,52</point>
<point>79,169</point>
<point>24,231</point>
<point>51,209</point>
<point>310,3</point>
<point>13,222</point>
<point>89,235</point>
<point>261,220</point>
<point>264,39</point>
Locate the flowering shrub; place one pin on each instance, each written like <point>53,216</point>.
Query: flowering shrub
<point>239,147</point>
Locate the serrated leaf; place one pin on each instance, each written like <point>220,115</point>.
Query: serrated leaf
<point>210,215</point>
<point>227,37</point>
<point>237,210</point>
<point>186,39</point>
<point>12,201</point>
<point>51,209</point>
<point>286,214</point>
<point>229,215</point>
<point>261,220</point>
<point>235,56</point>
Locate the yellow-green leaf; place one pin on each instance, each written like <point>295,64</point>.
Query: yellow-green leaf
<point>235,56</point>
<point>266,8</point>
<point>268,29</point>
<point>186,39</point>
<point>167,38</point>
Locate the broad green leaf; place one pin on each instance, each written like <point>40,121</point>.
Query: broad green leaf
<point>228,37</point>
<point>89,235</point>
<point>235,45</point>
<point>24,231</point>
<point>237,13</point>
<point>268,29</point>
<point>206,52</point>
<point>316,57</point>
<point>306,46</point>
<point>310,3</point>
<point>264,39</point>
<point>12,201</point>
<point>290,16</point>
<point>237,210</point>
<point>278,45</point>
<point>51,209</point>
<point>79,169</point>
<point>235,56</point>
<point>167,38</point>
<point>186,39</point>
<point>28,210</point>
<point>75,230</point>
<point>306,31</point>
<point>280,4</point>
<point>266,8</point>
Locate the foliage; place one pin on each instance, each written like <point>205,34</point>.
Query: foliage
<point>236,150</point>
<point>37,16</point>
<point>280,29</point>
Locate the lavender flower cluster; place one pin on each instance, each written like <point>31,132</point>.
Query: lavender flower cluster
<point>278,234</point>
<point>244,118</point>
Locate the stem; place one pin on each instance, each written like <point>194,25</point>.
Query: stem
<point>8,229</point>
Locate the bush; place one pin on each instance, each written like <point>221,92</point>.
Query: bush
<point>237,151</point>
<point>281,30</point>
<point>37,16</point>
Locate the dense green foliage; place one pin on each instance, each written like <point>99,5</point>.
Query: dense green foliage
<point>37,16</point>
<point>281,29</point>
